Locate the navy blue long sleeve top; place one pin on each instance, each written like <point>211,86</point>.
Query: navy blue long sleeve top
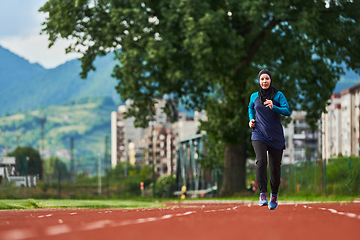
<point>268,127</point>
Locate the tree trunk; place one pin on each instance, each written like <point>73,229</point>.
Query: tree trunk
<point>234,177</point>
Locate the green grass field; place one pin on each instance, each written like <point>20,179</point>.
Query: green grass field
<point>9,204</point>
<point>23,204</point>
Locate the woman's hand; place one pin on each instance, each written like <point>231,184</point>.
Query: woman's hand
<point>269,103</point>
<point>252,123</point>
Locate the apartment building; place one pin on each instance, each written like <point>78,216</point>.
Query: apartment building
<point>300,141</point>
<point>331,128</point>
<point>340,125</point>
<point>158,142</point>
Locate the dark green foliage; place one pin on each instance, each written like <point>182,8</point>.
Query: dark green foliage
<point>130,176</point>
<point>342,179</point>
<point>55,168</point>
<point>164,186</point>
<point>28,161</point>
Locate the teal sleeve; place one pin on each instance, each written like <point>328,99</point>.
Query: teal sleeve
<point>284,108</point>
<point>251,106</point>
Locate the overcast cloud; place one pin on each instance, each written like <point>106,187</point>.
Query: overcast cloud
<point>20,33</point>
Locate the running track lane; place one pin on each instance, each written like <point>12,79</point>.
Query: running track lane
<point>186,221</point>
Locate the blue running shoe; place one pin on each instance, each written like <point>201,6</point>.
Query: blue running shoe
<point>273,202</point>
<point>263,199</point>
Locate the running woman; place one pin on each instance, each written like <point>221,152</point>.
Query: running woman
<point>267,137</point>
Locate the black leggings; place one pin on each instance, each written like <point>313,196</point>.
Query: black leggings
<point>275,155</point>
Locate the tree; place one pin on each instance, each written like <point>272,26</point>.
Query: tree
<point>28,161</point>
<point>207,54</point>
<point>53,167</point>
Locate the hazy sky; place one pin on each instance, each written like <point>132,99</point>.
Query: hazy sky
<point>20,33</point>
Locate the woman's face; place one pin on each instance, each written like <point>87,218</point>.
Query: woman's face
<point>265,81</point>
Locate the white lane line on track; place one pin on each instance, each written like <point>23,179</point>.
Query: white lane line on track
<point>166,216</point>
<point>98,224</point>
<point>19,234</point>
<point>57,229</point>
<point>73,213</point>
<point>351,215</point>
<point>49,215</point>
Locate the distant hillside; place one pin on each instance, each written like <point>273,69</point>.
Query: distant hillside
<point>14,68</point>
<point>86,120</point>
<point>26,86</point>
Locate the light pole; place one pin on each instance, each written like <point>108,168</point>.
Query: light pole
<point>153,158</point>
<point>42,121</point>
<point>18,135</point>
<point>99,173</point>
<point>26,176</point>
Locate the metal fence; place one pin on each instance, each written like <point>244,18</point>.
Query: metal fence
<point>337,176</point>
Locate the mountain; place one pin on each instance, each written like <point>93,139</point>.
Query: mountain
<point>87,120</point>
<point>26,86</point>
<point>14,68</point>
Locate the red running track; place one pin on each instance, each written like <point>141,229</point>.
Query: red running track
<point>187,221</point>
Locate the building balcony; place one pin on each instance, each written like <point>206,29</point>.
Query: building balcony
<point>300,136</point>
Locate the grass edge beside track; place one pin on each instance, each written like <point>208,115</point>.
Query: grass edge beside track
<point>24,204</point>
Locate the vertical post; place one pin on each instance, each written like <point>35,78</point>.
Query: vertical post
<point>42,121</point>
<point>18,135</point>
<point>295,180</point>
<point>72,177</point>
<point>192,164</point>
<point>153,161</point>
<point>212,183</point>
<point>322,174</point>
<point>349,174</point>
<point>302,173</point>
<point>59,178</point>
<point>217,182</point>
<point>308,173</point>
<point>107,165</point>
<point>99,173</point>
<point>27,171</point>
<point>289,169</point>
<point>315,175</point>
<point>325,175</point>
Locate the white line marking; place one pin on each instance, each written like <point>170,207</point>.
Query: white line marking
<point>352,215</point>
<point>332,210</point>
<point>58,229</point>
<point>73,213</point>
<point>166,216</point>
<point>40,216</point>
<point>18,234</point>
<point>98,224</point>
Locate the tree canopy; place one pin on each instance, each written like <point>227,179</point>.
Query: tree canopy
<point>207,54</point>
<point>28,161</point>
